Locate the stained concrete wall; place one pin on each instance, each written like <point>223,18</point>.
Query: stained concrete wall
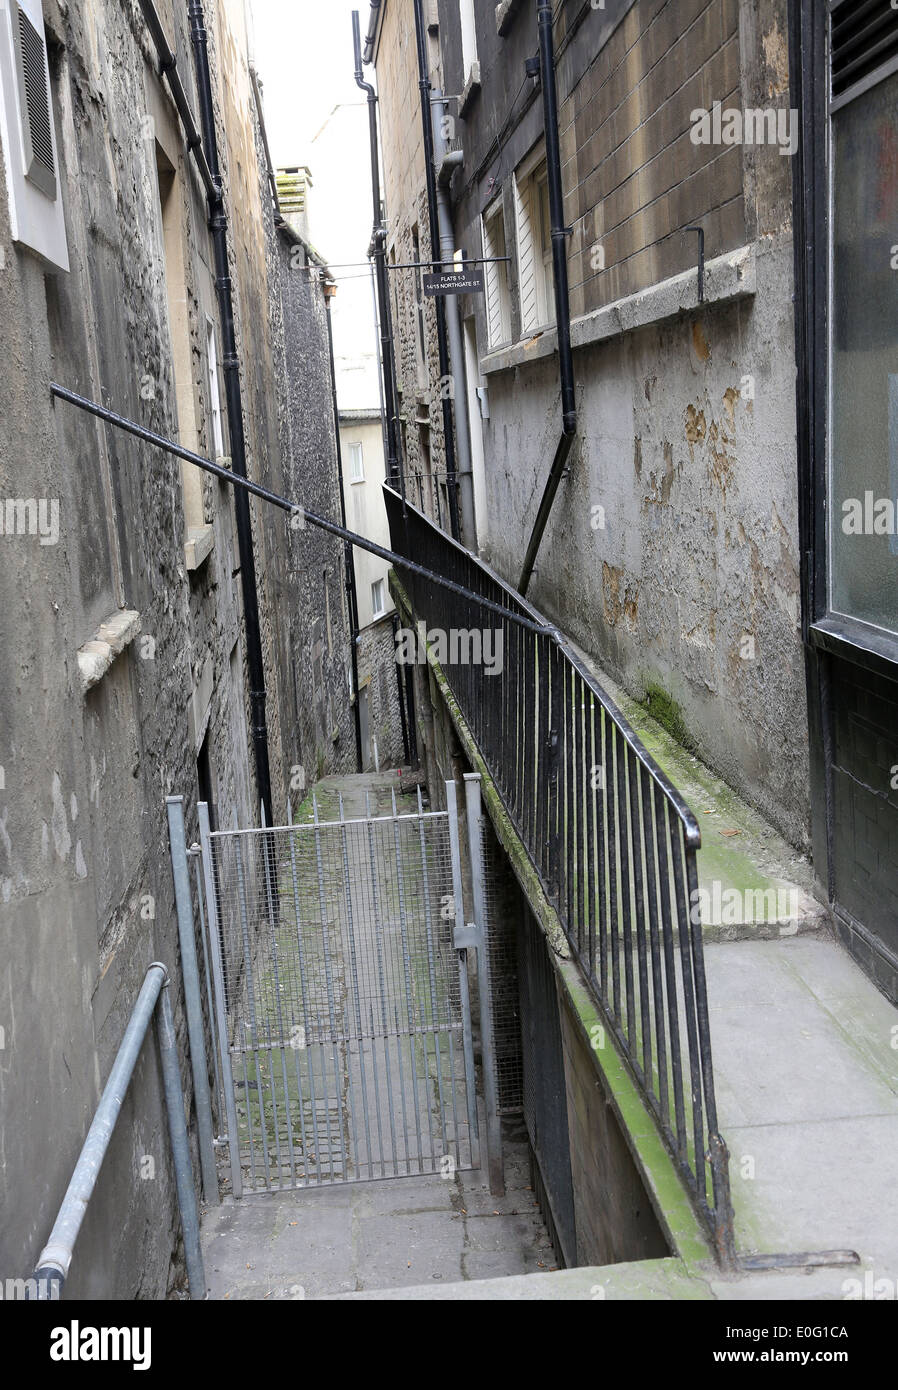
<point>85,883</point>
<point>672,551</point>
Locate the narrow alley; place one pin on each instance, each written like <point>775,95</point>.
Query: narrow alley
<point>449,576</point>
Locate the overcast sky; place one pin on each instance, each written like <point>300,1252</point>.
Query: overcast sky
<point>316,115</point>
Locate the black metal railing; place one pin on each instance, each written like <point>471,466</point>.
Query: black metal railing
<point>613,842</point>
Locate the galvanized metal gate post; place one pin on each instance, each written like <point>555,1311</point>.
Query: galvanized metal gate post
<point>192,998</point>
<point>462,939</point>
<point>476,829</point>
<point>221,1021</point>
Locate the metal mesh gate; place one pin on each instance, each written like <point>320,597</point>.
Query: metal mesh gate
<point>342,1002</point>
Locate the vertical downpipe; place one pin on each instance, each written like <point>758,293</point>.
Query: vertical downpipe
<point>218,226</point>
<point>348,556</point>
<point>433,219</point>
<point>562,297</point>
<point>454,328</point>
<point>556,214</point>
<point>395,472</point>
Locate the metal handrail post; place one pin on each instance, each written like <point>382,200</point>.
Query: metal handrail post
<point>180,1145</point>
<point>221,1007</point>
<point>193,1004</point>
<point>56,1257</point>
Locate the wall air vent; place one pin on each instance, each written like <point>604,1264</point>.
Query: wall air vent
<point>864,38</point>
<point>34,103</point>
<point>27,134</point>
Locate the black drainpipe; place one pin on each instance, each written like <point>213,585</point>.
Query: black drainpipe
<point>348,559</point>
<point>395,474</point>
<point>433,219</point>
<point>401,693</point>
<point>562,299</point>
<point>218,226</point>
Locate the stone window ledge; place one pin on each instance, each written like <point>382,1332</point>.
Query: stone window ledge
<point>198,546</point>
<point>727,278</point>
<point>110,638</point>
<point>469,90</point>
<point>505,13</point>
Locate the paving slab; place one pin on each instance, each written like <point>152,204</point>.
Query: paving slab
<point>807,1089</point>
<point>386,1234</point>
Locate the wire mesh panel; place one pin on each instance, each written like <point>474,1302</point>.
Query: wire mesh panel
<point>502,912</point>
<point>345,1016</point>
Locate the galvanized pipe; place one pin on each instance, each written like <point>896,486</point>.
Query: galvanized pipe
<point>464,985</point>
<point>180,1144</point>
<point>221,1012</point>
<point>55,1259</point>
<point>244,484</point>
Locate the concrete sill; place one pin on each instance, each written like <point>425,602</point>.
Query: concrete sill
<point>727,278</point>
<point>198,546</point>
<point>541,344</point>
<point>505,14</point>
<point>111,637</point>
<point>470,90</point>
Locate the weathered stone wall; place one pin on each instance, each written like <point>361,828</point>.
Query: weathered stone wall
<point>86,899</point>
<point>377,676</point>
<point>313,623</point>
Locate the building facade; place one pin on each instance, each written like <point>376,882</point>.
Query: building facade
<point>696,546</point>
<point>408,245</point>
<point>381,695</point>
<point>123,618</point>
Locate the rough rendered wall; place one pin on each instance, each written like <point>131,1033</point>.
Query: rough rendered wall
<point>699,554</point>
<point>672,550</point>
<point>86,887</point>
<point>86,899</point>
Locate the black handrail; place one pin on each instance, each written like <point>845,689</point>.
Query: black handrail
<point>612,840</point>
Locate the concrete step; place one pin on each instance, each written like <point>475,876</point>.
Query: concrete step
<point>646,1281</point>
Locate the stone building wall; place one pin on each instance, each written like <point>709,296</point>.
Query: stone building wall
<point>408,241</point>
<point>672,551</point>
<point>377,678</point>
<point>86,899</point>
